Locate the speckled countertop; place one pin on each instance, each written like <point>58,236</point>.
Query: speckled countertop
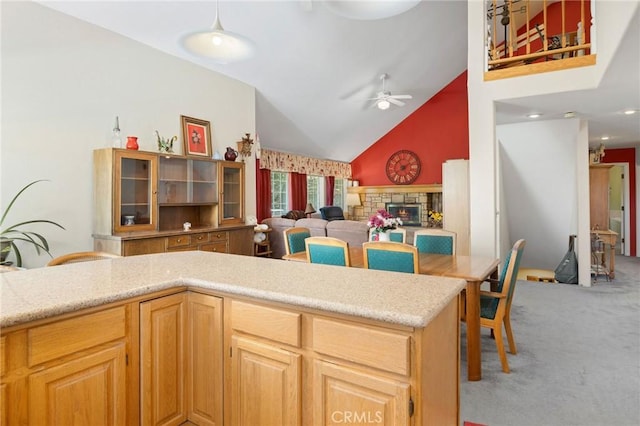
<point>399,298</point>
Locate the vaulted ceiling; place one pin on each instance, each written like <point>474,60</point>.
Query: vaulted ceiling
<point>314,70</point>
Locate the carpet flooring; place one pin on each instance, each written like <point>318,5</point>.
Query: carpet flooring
<point>578,360</point>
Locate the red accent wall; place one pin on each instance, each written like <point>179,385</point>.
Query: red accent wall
<point>627,155</point>
<point>436,132</point>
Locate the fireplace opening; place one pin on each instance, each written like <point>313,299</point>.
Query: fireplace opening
<point>409,214</point>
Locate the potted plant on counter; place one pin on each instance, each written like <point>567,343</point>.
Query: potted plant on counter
<point>9,235</point>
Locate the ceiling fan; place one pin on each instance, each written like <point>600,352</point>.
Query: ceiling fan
<point>384,99</point>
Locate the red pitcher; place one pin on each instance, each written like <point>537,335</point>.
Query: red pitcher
<point>132,142</point>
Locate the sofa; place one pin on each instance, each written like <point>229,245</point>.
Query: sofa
<point>353,232</point>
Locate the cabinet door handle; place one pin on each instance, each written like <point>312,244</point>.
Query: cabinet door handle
<point>179,240</point>
<point>200,237</point>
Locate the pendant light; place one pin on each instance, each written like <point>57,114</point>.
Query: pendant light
<point>218,44</point>
<point>369,9</point>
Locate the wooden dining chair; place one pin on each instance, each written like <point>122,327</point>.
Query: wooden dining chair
<point>495,306</point>
<point>390,256</point>
<point>398,235</point>
<point>82,256</point>
<point>327,251</point>
<point>437,241</point>
<point>294,239</point>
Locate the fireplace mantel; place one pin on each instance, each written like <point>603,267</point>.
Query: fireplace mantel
<point>394,189</point>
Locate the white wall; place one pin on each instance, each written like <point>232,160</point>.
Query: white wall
<point>538,169</point>
<point>612,20</point>
<point>63,83</point>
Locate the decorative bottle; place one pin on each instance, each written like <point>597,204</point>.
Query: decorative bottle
<point>116,139</point>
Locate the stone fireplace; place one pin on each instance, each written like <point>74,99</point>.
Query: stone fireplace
<point>423,198</point>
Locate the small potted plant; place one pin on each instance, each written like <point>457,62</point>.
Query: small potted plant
<point>10,234</point>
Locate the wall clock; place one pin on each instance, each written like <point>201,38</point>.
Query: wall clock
<point>403,167</point>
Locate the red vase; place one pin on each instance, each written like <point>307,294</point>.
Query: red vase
<point>132,142</point>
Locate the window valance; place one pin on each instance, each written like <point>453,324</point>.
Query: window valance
<point>284,162</point>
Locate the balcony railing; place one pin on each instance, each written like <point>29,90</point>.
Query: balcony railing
<point>533,36</point>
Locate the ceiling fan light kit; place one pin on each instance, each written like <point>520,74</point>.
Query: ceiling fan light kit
<point>384,99</point>
<point>383,104</point>
<point>218,44</point>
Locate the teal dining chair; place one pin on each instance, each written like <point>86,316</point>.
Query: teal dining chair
<point>390,256</point>
<point>294,239</point>
<point>495,306</point>
<point>327,251</point>
<point>437,241</point>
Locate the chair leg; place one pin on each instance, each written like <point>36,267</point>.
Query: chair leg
<point>512,342</point>
<point>501,352</point>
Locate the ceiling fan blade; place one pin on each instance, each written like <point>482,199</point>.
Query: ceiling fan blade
<point>395,101</point>
<point>401,96</point>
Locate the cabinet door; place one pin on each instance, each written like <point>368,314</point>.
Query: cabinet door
<point>162,357</point>
<point>135,191</point>
<point>90,390</point>
<point>231,208</point>
<point>265,384</point>
<point>346,396</point>
<point>204,360</point>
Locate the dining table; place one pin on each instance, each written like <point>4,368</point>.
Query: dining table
<point>473,269</point>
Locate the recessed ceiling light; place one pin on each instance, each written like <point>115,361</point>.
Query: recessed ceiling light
<point>534,115</point>
<point>604,138</point>
<point>630,111</point>
<point>569,114</point>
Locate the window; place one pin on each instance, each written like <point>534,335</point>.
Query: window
<point>338,193</point>
<point>279,195</point>
<point>315,191</point>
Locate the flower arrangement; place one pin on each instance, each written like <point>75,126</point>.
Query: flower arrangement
<point>435,219</point>
<point>165,145</point>
<point>382,221</point>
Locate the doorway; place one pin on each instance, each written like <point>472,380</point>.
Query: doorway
<point>618,200</point>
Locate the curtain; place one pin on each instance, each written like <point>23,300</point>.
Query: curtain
<point>329,184</point>
<point>263,192</point>
<point>298,191</point>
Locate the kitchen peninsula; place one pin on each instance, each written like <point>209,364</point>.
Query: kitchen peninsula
<point>224,339</point>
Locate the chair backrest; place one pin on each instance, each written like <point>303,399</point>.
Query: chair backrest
<point>390,256</point>
<point>398,235</point>
<point>294,239</point>
<point>332,213</point>
<point>82,256</point>
<point>327,251</point>
<point>506,282</point>
<point>436,241</point>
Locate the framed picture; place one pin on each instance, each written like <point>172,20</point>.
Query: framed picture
<point>196,135</point>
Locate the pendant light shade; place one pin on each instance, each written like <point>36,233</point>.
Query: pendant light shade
<point>218,44</point>
<point>369,9</point>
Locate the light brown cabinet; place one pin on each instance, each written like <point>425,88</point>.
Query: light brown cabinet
<point>296,367</point>
<point>181,359</point>
<point>70,373</point>
<point>599,196</point>
<point>232,194</point>
<point>200,358</point>
<point>162,357</point>
<point>142,200</point>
